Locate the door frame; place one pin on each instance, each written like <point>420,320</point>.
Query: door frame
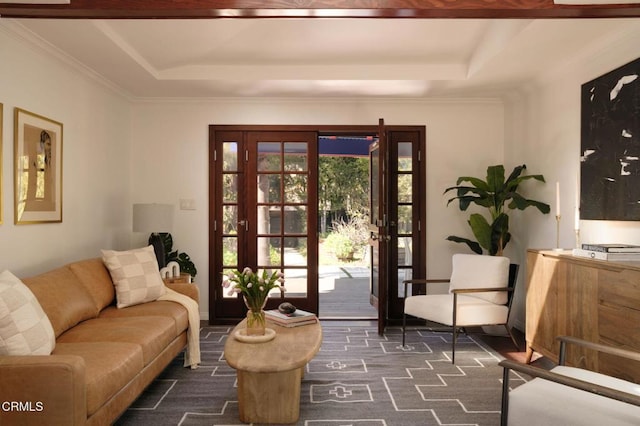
<point>215,260</point>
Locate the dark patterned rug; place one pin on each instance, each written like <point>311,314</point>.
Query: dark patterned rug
<point>358,378</point>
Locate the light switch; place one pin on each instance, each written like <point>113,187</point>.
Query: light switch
<point>187,204</point>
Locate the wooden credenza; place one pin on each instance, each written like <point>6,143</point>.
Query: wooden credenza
<point>595,300</point>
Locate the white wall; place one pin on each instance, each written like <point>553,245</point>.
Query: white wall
<point>543,123</point>
<point>96,167</point>
<point>170,147</point>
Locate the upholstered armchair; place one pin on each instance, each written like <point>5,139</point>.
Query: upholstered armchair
<point>569,395</point>
<point>480,294</point>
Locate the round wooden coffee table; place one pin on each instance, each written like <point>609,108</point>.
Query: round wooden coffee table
<point>269,373</point>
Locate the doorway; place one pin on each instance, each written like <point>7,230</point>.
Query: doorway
<point>344,267</point>
<point>265,213</point>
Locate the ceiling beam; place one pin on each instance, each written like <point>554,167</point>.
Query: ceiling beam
<point>183,9</point>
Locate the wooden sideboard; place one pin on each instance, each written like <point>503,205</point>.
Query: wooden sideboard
<point>595,300</point>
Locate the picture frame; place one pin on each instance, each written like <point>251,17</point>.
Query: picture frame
<point>1,173</point>
<point>37,168</point>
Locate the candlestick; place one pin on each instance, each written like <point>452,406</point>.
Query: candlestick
<point>557,233</point>
<point>557,199</point>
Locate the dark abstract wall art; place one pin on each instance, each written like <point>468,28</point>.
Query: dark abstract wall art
<point>610,146</point>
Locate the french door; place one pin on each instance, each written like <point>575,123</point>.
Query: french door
<point>265,215</point>
<point>264,212</point>
<point>397,205</point>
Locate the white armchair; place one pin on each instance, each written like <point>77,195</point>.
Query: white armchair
<point>480,294</point>
<point>571,396</point>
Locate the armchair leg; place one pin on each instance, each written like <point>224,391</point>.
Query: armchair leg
<point>404,326</point>
<point>513,339</point>
<point>504,413</point>
<point>453,344</point>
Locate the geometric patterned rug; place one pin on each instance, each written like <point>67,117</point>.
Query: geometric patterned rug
<point>357,378</point>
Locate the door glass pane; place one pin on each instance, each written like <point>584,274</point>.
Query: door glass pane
<point>404,188</point>
<point>230,252</point>
<point>404,274</point>
<point>269,188</point>
<point>268,252</point>
<point>295,220</point>
<point>230,156</point>
<point>230,219</point>
<point>295,156</point>
<point>405,253</point>
<point>405,159</point>
<point>374,164</point>
<point>296,188</point>
<point>295,251</point>
<point>268,156</point>
<point>405,224</point>
<point>229,188</point>
<point>269,220</point>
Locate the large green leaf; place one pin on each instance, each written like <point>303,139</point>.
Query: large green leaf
<point>495,178</point>
<point>478,183</point>
<point>521,203</point>
<point>473,245</point>
<point>481,230</point>
<point>499,234</point>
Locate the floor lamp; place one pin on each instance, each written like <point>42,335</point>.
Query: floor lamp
<point>154,218</point>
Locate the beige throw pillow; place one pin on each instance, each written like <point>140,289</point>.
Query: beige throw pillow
<point>25,329</point>
<point>135,275</point>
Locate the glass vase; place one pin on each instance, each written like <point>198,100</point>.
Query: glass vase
<point>256,323</point>
<point>256,320</point>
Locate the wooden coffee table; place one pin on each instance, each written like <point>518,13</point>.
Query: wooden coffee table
<point>270,373</point>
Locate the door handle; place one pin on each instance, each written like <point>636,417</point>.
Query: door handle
<point>244,223</point>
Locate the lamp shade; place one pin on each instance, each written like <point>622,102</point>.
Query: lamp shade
<point>152,218</point>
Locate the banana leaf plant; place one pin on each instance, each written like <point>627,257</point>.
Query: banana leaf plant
<point>498,196</point>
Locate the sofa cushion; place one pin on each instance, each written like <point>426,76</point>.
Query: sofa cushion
<point>94,276</point>
<point>135,275</point>
<point>63,298</point>
<point>153,334</point>
<point>24,327</point>
<point>161,308</point>
<point>109,367</point>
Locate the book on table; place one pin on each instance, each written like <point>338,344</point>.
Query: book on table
<point>612,248</point>
<point>293,324</point>
<point>298,316</point>
<point>601,255</point>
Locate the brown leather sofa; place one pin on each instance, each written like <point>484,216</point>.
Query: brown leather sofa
<point>104,357</point>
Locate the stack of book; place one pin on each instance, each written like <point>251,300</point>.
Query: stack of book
<point>296,319</point>
<point>620,252</point>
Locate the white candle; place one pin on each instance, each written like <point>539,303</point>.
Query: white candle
<point>557,198</point>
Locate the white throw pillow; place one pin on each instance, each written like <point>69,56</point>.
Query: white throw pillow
<point>135,275</point>
<point>25,329</point>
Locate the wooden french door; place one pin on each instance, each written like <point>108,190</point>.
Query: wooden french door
<point>263,208</point>
<point>265,200</point>
<point>397,202</point>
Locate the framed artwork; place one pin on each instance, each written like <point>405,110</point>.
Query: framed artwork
<point>610,145</point>
<point>37,168</point>
<point>1,131</point>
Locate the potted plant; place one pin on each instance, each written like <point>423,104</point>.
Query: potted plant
<point>497,195</point>
<point>183,259</point>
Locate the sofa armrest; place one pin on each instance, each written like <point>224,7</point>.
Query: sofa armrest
<point>37,390</point>
<point>187,289</point>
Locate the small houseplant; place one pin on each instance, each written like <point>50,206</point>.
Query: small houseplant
<point>497,195</point>
<point>255,288</point>
<point>183,259</point>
